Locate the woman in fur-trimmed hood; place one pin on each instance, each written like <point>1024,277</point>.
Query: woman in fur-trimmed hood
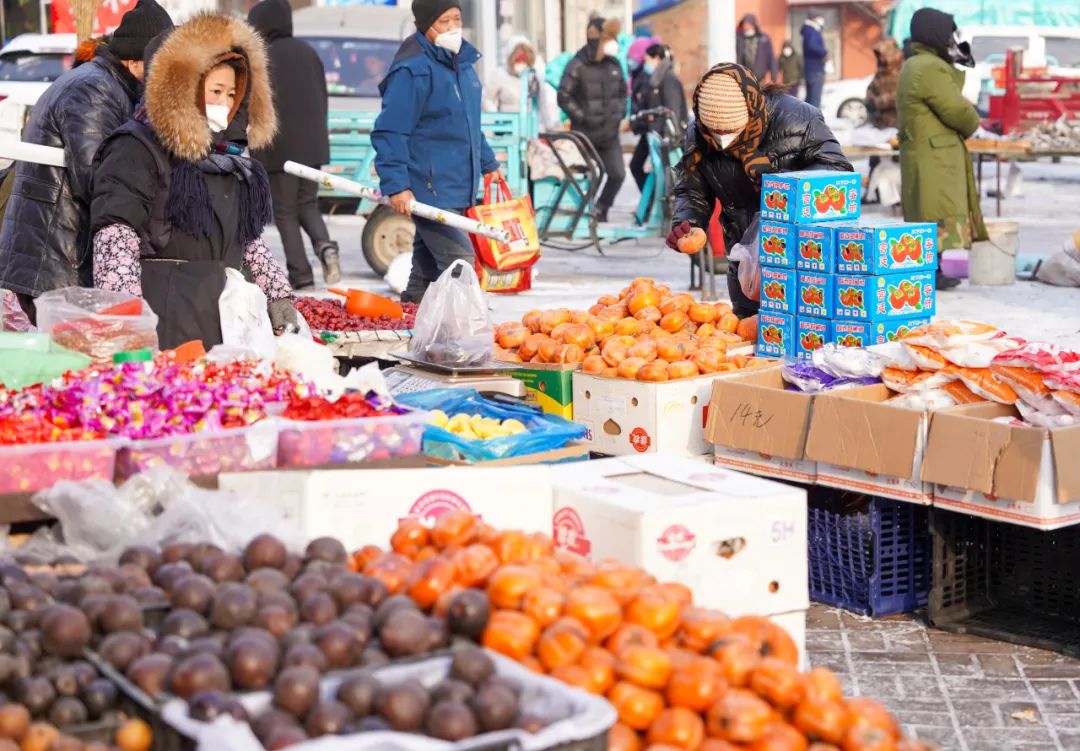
<point>177,198</point>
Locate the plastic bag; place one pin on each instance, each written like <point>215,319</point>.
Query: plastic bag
<point>452,324</point>
<point>1069,400</point>
<point>97,322</point>
<point>26,359</point>
<point>907,382</point>
<point>925,401</point>
<point>1041,356</point>
<point>1053,415</point>
<point>244,320</point>
<point>951,334</point>
<point>849,362</point>
<point>983,383</point>
<point>745,253</point>
<point>811,379</point>
<point>1062,268</point>
<point>544,432</point>
<point>12,315</point>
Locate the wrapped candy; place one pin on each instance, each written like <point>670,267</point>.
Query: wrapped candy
<point>906,381</point>
<point>811,379</point>
<point>1041,356</point>
<point>945,334</point>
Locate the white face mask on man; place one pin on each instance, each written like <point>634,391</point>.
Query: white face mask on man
<point>450,40</point>
<point>611,48</point>
<point>217,117</point>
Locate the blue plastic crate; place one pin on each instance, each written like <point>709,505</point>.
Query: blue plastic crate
<point>869,555</point>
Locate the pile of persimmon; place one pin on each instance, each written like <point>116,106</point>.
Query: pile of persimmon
<point>645,333</point>
<point>680,677</point>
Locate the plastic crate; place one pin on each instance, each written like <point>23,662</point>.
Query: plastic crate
<point>360,439</point>
<point>206,453</point>
<point>26,469</point>
<point>1006,582</point>
<point>868,555</point>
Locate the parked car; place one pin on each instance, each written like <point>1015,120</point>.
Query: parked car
<point>846,100</point>
<point>28,64</point>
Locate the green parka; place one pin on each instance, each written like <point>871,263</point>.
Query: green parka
<point>938,178</point>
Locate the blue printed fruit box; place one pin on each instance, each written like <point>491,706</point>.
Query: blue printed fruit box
<point>776,335</point>
<point>877,298</point>
<point>813,196</point>
<point>816,295</point>
<point>811,334</point>
<point>853,248</point>
<point>867,334</point>
<point>815,248</point>
<point>777,244</point>
<point>778,289</point>
<point>885,248</point>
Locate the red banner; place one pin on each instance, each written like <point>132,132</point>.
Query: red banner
<point>108,16</point>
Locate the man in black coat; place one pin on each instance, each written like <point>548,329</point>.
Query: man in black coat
<point>45,239</point>
<point>754,50</point>
<point>593,95</point>
<point>299,82</point>
<point>656,85</point>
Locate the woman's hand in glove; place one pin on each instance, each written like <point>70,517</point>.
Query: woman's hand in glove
<point>686,238</point>
<point>283,316</point>
<point>678,231</point>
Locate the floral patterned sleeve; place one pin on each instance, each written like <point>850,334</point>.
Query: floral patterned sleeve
<point>116,260</point>
<point>267,272</point>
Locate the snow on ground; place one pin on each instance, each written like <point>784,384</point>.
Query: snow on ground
<point>1048,213</point>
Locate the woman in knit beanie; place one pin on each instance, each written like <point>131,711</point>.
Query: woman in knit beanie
<point>740,132</point>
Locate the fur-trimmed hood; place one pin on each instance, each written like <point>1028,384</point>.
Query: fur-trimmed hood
<point>173,97</point>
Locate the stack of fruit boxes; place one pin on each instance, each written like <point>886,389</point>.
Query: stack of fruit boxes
<point>828,276</point>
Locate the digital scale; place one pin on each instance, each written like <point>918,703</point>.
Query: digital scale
<point>414,375</point>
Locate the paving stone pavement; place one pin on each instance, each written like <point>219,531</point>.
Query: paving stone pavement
<point>957,692</point>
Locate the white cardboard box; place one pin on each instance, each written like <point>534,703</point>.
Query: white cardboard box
<point>764,465</point>
<point>364,506</point>
<point>739,542</point>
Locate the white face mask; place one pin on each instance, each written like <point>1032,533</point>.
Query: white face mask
<point>519,68</point>
<point>449,40</point>
<point>611,48</point>
<point>217,117</point>
<point>727,140</point>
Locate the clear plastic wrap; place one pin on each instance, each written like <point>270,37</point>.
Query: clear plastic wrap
<point>452,324</point>
<point>97,322</point>
<point>245,322</point>
<point>849,362</point>
<point>926,401</point>
<point>745,253</point>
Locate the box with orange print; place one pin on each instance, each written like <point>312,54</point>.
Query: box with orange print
<point>811,196</point>
<point>779,289</point>
<point>815,246</point>
<point>816,294</point>
<point>885,248</point>
<point>811,334</point>
<point>777,244</point>
<point>887,297</point>
<point>867,334</point>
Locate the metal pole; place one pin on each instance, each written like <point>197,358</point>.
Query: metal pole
<point>42,19</point>
<point>720,31</point>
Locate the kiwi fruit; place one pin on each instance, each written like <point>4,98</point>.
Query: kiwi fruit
<point>36,694</point>
<point>306,585</point>
<point>267,580</point>
<point>224,568</point>
<point>123,613</point>
<point>452,690</point>
<point>405,633</point>
<point>198,673</point>
<point>65,631</point>
<point>201,553</point>
<point>193,592</point>
<point>496,708</point>
<point>302,633</point>
<point>275,619</point>
<point>94,604</point>
<point>265,551</point>
<point>143,556</point>
<point>327,718</point>
<point>20,620</point>
<point>281,599</point>
<point>337,641</point>
<point>68,592</point>
<point>506,682</point>
<point>326,549</point>
<point>252,663</point>
<point>296,690</point>
<point>450,721</point>
<point>306,655</point>
<point>318,609</point>
<point>357,692</point>
<point>403,706</point>
<point>438,634</point>
<point>294,564</point>
<point>389,606</point>
<point>234,605</point>
<point>28,598</point>
<point>187,624</point>
<point>67,711</point>
<point>151,672</point>
<point>151,597</point>
<point>7,639</point>
<point>285,736</point>
<point>207,706</point>
<point>348,589</point>
<point>468,614</point>
<point>270,720</point>
<point>473,666</point>
<point>373,724</point>
<point>123,648</point>
<point>65,681</point>
<point>175,552</point>
<point>209,645</point>
<point>99,697</point>
<point>373,657</point>
<point>169,573</point>
<point>132,577</point>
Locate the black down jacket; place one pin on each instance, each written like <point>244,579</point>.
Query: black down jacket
<point>45,240</point>
<point>593,95</point>
<point>796,138</point>
<point>299,83</point>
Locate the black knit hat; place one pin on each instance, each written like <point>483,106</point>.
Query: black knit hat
<point>138,26</point>
<point>427,12</point>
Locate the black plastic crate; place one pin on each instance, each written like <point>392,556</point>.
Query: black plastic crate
<point>866,554</point>
<point>1006,582</point>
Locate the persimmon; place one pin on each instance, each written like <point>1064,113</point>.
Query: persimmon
<point>770,639</point>
<point>631,635</point>
<point>614,353</point>
<point>600,665</point>
<point>673,350</point>
<point>642,300</point>
<point>543,604</point>
<point>740,716</point>
<point>747,328</point>
<point>651,314</point>
<point>678,727</point>
<point>608,300</point>
<point>578,317</point>
<point>475,564</point>
<point>597,609</point>
<point>697,686</point>
<point>426,553</point>
<point>656,612</point>
<point>780,737</point>
<point>364,556</point>
<point>549,351</point>
<point>442,604</point>
<point>672,322</point>
<point>392,569</point>
<point>511,633</point>
<point>655,372</point>
<point>738,659</point>
<point>722,308</point>
<point>561,645</point>
<point>624,582</point>
<point>630,367</point>
<point>644,349</point>
<point>572,675</point>
<point>573,565</point>
<point>702,313</point>
<point>579,334</point>
<point>430,579</point>
<point>511,335</point>
<point>409,538</point>
<point>638,707</point>
<point>728,322</point>
<point>532,664</point>
<point>867,738</point>
<point>682,369</point>
<point>532,320</point>
<point>778,682</point>
<point>457,528</point>
<point>623,738</point>
<point>551,318</point>
<point>715,744</point>
<point>531,346</point>
<point>513,546</point>
<point>676,303</point>
<point>509,584</point>
<point>39,737</point>
<point>822,684</point>
<point>644,666</point>
<point>680,658</point>
<point>134,735</point>
<point>822,720</point>
<point>611,313</point>
<point>593,365</point>
<point>707,359</point>
<point>699,628</point>
<point>869,713</point>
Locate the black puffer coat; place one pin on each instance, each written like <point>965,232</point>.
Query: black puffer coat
<point>300,98</point>
<point>593,95</point>
<point>45,240</point>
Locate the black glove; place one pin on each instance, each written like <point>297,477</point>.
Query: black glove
<point>678,231</point>
<point>283,316</point>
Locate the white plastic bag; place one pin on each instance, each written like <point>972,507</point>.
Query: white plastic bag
<point>452,324</point>
<point>397,276</point>
<point>1062,268</point>
<point>97,322</point>
<point>244,320</point>
<point>746,255</point>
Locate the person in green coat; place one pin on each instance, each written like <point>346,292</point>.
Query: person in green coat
<point>934,121</point>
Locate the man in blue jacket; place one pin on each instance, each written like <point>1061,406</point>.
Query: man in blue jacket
<point>428,143</point>
<point>815,53</point>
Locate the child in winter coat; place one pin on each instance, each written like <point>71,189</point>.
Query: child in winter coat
<point>176,197</point>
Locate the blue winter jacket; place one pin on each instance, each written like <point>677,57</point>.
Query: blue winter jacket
<point>427,138</point>
<point>814,50</point>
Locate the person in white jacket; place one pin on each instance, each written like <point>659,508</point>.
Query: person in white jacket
<point>502,90</point>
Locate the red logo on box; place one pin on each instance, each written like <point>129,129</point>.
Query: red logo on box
<point>640,440</point>
<point>431,506</point>
<point>569,532</point>
<point>676,543</point>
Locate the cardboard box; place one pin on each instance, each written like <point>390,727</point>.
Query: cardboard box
<point>776,335</point>
<point>816,294</point>
<point>779,289</point>
<point>739,542</point>
<point>811,334</point>
<point>853,248</point>
<point>879,298</point>
<point>758,426</point>
<point>862,444</point>
<point>549,386</point>
<point>811,196</point>
<point>1022,475</point>
<point>364,506</point>
<point>636,417</point>
<point>865,334</point>
<point>815,248</point>
<point>777,244</point>
<point>885,247</point>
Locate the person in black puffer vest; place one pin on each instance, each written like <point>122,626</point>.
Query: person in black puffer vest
<point>177,199</point>
<point>656,86</point>
<point>593,95</point>
<point>741,132</point>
